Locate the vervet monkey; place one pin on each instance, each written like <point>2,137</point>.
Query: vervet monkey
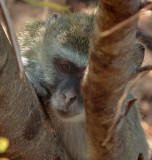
<point>55,55</point>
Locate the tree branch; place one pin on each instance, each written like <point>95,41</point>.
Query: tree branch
<point>106,77</point>
<point>22,119</point>
<point>12,37</point>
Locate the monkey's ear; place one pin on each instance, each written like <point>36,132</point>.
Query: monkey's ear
<point>138,54</point>
<point>54,18</point>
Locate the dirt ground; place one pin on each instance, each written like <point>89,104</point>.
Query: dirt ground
<point>22,12</point>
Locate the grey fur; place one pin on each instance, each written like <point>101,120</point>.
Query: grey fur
<point>68,38</point>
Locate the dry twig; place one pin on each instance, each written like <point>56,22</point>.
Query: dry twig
<point>124,22</point>
<point>140,157</point>
<point>120,105</point>
<point>12,37</point>
<point>128,106</point>
<point>140,70</point>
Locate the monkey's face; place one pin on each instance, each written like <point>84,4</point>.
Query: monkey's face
<point>64,69</point>
<point>66,99</point>
<point>63,59</point>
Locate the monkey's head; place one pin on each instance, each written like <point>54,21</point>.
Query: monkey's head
<point>63,59</point>
<point>57,63</point>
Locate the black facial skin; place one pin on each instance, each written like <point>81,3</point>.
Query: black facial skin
<point>67,99</point>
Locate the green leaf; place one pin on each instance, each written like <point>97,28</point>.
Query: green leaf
<point>49,5</point>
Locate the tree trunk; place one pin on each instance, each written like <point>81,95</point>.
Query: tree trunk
<point>106,77</point>
<point>22,119</point>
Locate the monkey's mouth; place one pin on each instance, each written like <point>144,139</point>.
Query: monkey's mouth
<point>66,114</point>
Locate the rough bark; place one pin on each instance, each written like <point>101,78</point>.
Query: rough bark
<point>22,119</point>
<point>106,77</point>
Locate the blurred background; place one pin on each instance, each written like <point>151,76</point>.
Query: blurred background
<point>22,11</point>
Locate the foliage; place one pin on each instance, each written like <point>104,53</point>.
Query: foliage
<point>49,5</point>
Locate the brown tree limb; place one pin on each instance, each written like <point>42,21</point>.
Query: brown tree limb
<point>12,37</point>
<point>106,77</point>
<point>140,70</point>
<point>125,22</point>
<point>22,119</point>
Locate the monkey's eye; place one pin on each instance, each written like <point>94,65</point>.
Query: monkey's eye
<point>66,66</point>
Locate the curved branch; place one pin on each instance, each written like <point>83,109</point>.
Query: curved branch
<point>22,120</point>
<point>106,78</point>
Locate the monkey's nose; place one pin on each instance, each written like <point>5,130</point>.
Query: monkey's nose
<point>69,96</point>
